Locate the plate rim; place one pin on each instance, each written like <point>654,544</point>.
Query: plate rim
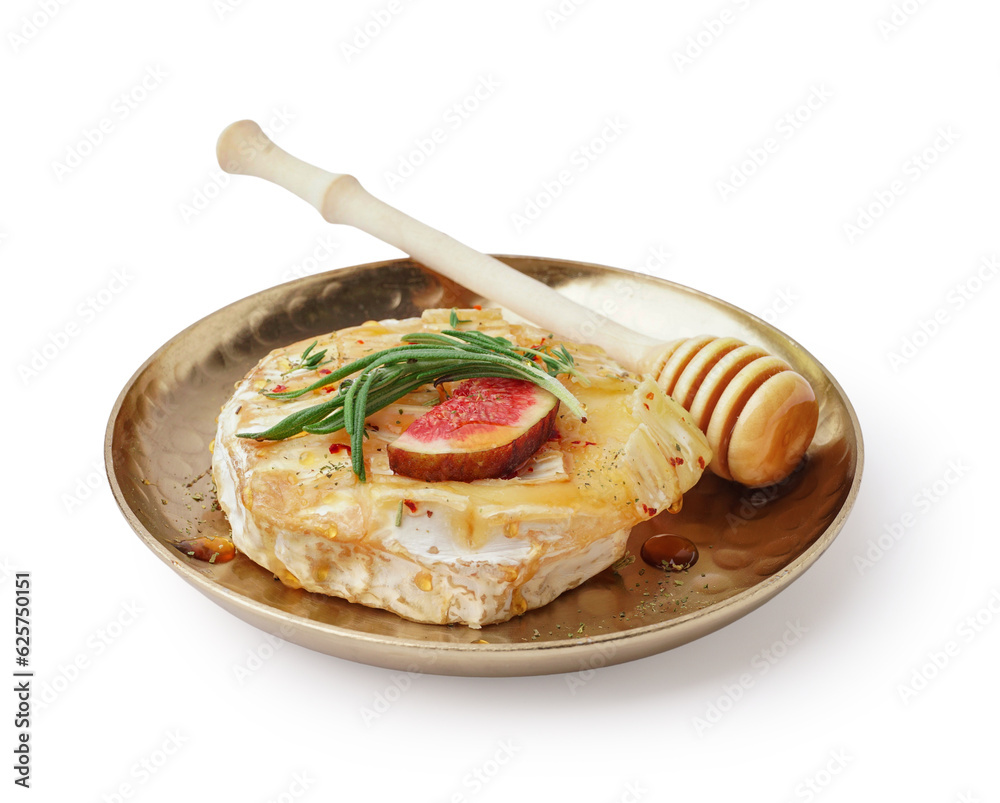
<point>491,659</point>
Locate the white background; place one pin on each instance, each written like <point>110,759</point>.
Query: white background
<point>112,241</point>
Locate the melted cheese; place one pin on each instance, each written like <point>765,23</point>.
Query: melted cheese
<point>472,553</point>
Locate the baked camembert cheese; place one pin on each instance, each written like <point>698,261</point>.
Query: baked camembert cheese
<point>473,553</point>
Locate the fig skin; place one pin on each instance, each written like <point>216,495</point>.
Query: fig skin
<point>502,459</point>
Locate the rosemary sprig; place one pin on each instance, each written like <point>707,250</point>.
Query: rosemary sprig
<point>423,358</point>
<point>454,320</point>
<point>311,361</point>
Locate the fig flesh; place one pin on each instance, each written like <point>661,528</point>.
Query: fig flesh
<point>487,429</point>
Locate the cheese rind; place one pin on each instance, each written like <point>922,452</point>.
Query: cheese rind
<point>471,553</point>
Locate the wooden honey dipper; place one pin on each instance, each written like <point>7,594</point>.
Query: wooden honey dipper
<point>758,414</point>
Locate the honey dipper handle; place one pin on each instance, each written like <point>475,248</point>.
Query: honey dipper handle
<point>244,148</point>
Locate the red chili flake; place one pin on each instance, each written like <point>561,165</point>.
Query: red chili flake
<point>362,342</point>
<point>325,371</point>
<point>585,443</point>
<point>411,505</point>
<point>477,306</point>
<point>279,388</point>
<point>649,395</point>
<point>328,389</point>
<point>430,513</point>
<point>340,447</point>
<point>676,461</point>
<point>645,405</point>
<point>649,511</point>
<point>701,462</point>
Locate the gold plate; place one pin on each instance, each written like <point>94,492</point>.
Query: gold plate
<point>752,543</point>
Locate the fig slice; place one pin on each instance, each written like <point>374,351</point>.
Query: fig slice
<point>489,428</point>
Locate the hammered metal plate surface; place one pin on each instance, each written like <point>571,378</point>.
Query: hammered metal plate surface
<point>752,543</point>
